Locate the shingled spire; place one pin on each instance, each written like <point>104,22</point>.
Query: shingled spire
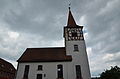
<point>71,21</point>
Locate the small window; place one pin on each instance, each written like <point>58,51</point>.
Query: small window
<point>40,67</point>
<point>76,48</point>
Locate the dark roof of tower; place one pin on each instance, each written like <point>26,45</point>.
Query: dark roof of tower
<point>54,54</point>
<point>5,66</point>
<point>71,22</point>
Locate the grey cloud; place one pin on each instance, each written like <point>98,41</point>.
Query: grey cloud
<point>102,18</point>
<point>24,22</point>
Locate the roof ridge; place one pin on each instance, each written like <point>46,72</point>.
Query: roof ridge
<point>7,62</point>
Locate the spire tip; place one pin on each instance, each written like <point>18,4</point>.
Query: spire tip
<point>69,6</point>
<point>71,21</point>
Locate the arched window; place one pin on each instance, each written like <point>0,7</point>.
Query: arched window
<point>60,71</point>
<point>78,72</point>
<point>39,76</point>
<point>26,71</point>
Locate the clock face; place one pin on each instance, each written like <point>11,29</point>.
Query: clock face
<point>74,33</point>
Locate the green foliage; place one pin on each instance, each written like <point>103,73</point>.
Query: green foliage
<point>113,73</point>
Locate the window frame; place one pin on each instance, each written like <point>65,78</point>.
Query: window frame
<point>76,47</point>
<point>40,67</point>
<point>26,71</point>
<point>39,75</point>
<point>60,71</point>
<point>78,72</point>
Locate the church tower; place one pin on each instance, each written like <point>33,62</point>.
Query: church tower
<point>69,62</point>
<point>75,46</point>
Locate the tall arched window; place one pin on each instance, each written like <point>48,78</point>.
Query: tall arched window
<point>26,71</point>
<point>78,72</point>
<point>60,71</point>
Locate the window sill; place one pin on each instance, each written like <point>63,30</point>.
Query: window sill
<point>76,50</point>
<point>39,70</point>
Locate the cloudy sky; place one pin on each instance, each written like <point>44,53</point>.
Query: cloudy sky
<point>39,23</point>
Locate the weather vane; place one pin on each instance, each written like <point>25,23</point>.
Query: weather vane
<point>69,5</point>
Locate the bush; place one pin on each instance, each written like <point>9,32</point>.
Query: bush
<point>113,73</point>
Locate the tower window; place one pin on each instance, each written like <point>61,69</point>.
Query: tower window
<point>60,71</point>
<point>75,47</point>
<point>26,71</point>
<point>40,67</point>
<point>78,72</point>
<point>74,34</point>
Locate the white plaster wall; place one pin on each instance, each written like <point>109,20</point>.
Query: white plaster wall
<point>79,58</point>
<point>49,68</point>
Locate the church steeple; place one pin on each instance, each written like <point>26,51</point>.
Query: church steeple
<point>71,22</point>
<point>73,31</point>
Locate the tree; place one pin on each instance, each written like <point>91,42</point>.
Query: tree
<point>113,73</point>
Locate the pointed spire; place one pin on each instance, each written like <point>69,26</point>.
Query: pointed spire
<point>71,21</point>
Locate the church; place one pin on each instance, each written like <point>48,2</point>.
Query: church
<point>69,62</point>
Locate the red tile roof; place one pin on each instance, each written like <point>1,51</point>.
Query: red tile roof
<point>45,55</point>
<point>6,66</point>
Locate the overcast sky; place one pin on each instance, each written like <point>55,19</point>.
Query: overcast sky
<point>39,23</point>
